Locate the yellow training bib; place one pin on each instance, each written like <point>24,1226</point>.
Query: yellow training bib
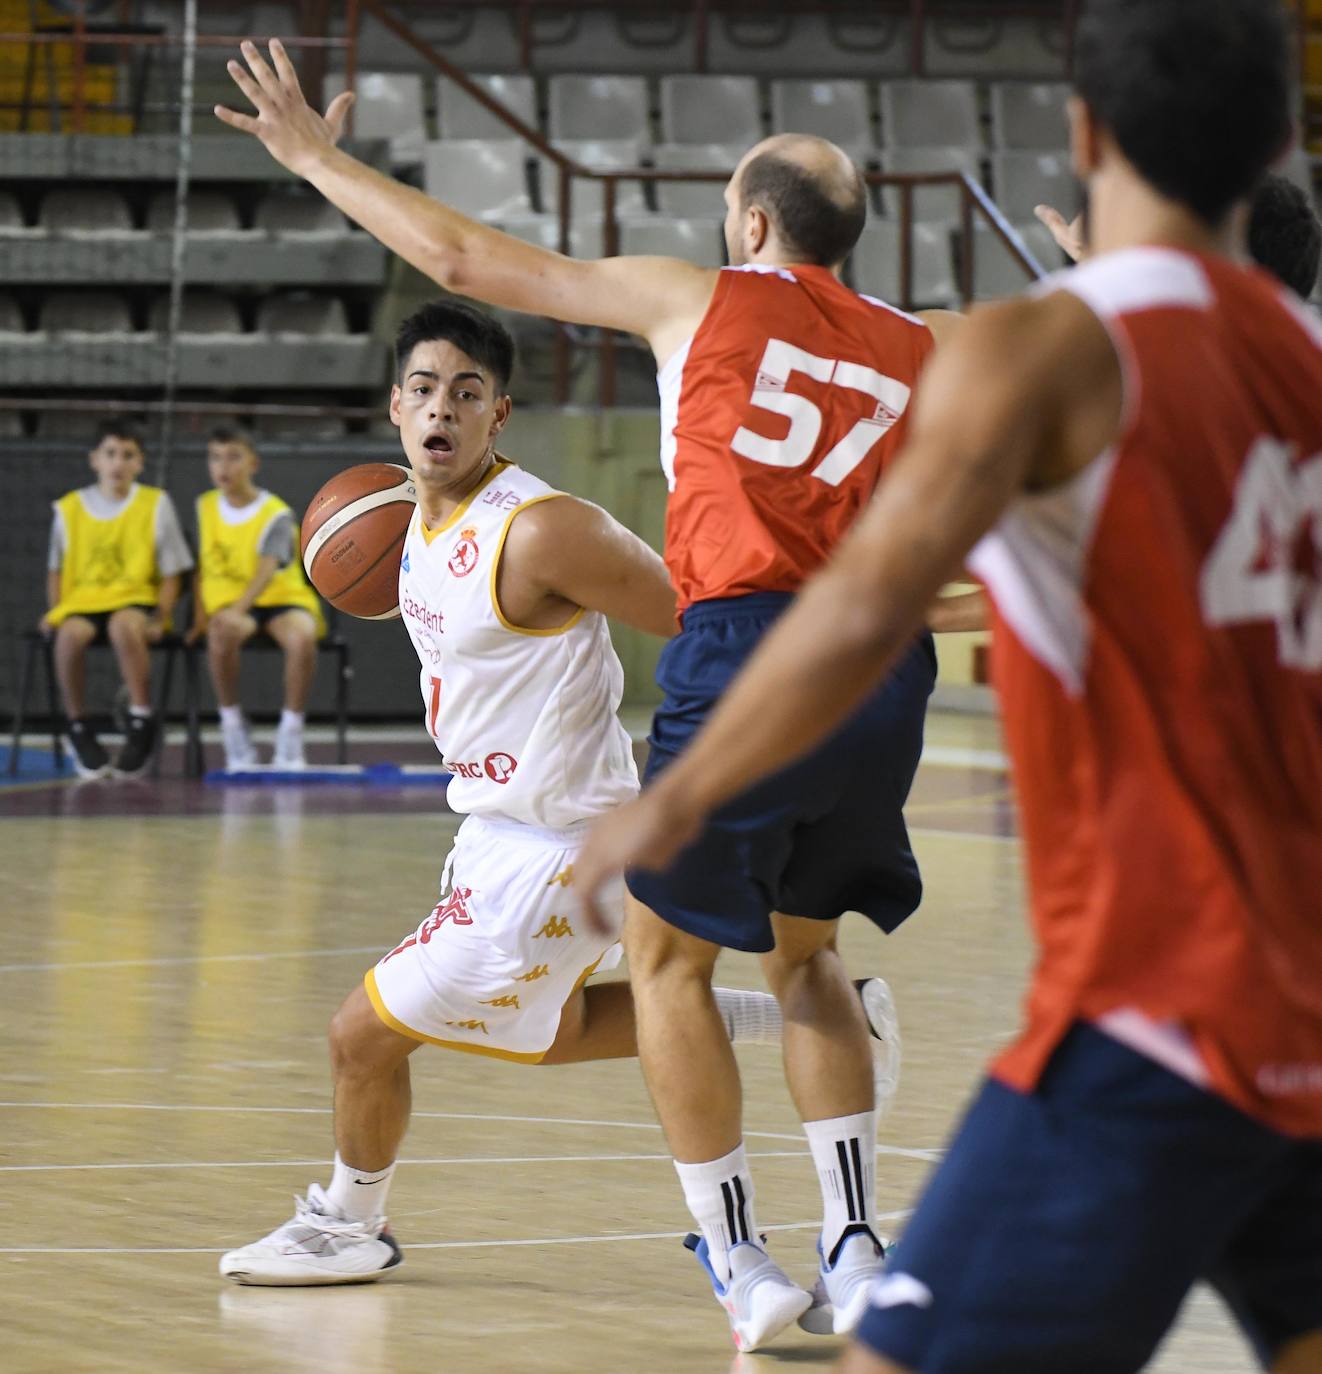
<point>107,564</point>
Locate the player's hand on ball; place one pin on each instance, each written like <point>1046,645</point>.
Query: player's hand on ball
<point>646,833</point>
<point>293,132</point>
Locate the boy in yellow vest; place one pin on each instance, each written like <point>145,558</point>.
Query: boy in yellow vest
<point>112,575</point>
<point>250,581</point>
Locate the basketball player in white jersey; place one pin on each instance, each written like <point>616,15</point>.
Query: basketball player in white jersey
<point>505,585</point>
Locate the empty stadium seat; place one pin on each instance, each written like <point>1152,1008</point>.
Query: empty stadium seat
<point>930,202</point>
<point>1029,114</point>
<point>11,216</point>
<point>589,198</point>
<point>209,212</point>
<point>875,264</point>
<point>389,106</point>
<point>302,312</point>
<point>11,317</point>
<point>320,426</point>
<point>11,424</point>
<point>710,109</point>
<point>585,235</point>
<point>85,312</point>
<point>458,115</point>
<point>695,240</point>
<point>929,114</point>
<point>1022,180</point>
<point>297,212</point>
<point>701,198</point>
<point>201,312</point>
<point>480,177</point>
<point>584,106</point>
<point>996,272</point>
<point>837,110</point>
<point>85,210</point>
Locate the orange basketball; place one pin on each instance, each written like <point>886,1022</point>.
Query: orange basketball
<point>353,538</point>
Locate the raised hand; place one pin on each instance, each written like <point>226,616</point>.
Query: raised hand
<point>292,131</point>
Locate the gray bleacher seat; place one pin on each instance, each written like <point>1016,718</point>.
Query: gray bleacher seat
<point>585,235</point>
<point>200,312</point>
<point>11,424</point>
<point>209,212</point>
<point>710,109</point>
<point>1022,180</point>
<point>11,216</point>
<point>587,106</point>
<point>837,110</point>
<point>85,312</point>
<point>695,240</point>
<point>300,426</point>
<point>929,114</point>
<point>302,312</point>
<point>875,264</point>
<point>11,317</point>
<point>480,177</point>
<point>995,271</point>
<point>701,198</point>
<point>85,210</point>
<point>388,105</point>
<point>1029,114</point>
<point>588,197</point>
<point>298,212</point>
<point>930,202</point>
<point>458,115</point>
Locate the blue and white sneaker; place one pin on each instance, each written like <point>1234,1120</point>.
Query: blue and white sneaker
<point>840,1295</point>
<point>884,1028</point>
<point>760,1299</point>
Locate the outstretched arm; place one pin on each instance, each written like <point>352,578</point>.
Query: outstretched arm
<point>661,299</point>
<point>1028,394</point>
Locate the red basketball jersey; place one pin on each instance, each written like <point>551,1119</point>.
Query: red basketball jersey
<point>777,418</point>
<point>1158,656</point>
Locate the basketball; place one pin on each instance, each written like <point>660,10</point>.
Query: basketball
<point>353,537</point>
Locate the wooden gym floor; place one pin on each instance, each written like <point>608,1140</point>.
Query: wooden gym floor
<point>169,958</point>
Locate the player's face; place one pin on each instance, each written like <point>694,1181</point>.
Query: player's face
<point>231,466</point>
<point>449,411</point>
<point>116,462</point>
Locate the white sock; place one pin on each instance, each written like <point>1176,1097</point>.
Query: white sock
<point>720,1196</point>
<point>291,720</point>
<point>357,1195</point>
<point>140,712</point>
<point>844,1151</point>
<point>232,715</point>
<point>751,1018</point>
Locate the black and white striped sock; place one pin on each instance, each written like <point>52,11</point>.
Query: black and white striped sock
<point>844,1150</point>
<point>719,1193</point>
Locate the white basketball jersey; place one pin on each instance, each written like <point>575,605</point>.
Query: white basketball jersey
<point>525,719</point>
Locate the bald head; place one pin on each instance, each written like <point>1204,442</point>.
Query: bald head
<point>810,192</point>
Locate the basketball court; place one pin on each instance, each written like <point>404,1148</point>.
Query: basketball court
<point>166,989</point>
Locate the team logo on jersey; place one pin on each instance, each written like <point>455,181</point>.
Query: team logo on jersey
<point>464,558</point>
<point>884,416</point>
<point>404,565</point>
<point>499,767</point>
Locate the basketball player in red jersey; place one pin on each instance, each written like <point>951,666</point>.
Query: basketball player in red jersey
<point>783,396</point>
<point>1134,456</point>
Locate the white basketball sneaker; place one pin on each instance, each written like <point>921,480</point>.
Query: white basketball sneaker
<point>289,747</point>
<point>760,1299</point>
<point>315,1247</point>
<point>840,1295</point>
<point>879,1008</point>
<point>239,751</point>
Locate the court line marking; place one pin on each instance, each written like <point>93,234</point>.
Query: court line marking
<point>898,1150</point>
<point>416,1245</point>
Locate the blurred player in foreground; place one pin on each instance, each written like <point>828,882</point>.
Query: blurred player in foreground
<point>505,585</point>
<point>1136,452</point>
<point>783,396</point>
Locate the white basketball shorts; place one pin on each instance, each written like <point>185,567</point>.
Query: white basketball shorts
<point>491,968</point>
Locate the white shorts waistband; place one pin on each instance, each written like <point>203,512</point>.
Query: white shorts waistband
<point>518,831</point>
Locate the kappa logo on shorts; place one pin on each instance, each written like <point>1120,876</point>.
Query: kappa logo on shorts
<point>564,877</point>
<point>556,928</point>
<point>533,974</point>
<point>463,558</point>
<point>510,999</point>
<point>900,1290</point>
<point>470,1025</point>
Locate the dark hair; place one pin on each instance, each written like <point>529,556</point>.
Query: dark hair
<point>118,427</point>
<point>1285,235</point>
<point>805,217</point>
<point>473,331</point>
<point>1195,92</point>
<point>230,434</point>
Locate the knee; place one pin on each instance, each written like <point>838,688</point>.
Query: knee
<point>224,632</point>
<point>359,1042</point>
<point>658,953</point>
<point>787,969</point>
<point>72,637</point>
<point>127,629</point>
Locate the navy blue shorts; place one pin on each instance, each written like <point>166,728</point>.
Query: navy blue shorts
<point>1066,1226</point>
<point>824,836</point>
